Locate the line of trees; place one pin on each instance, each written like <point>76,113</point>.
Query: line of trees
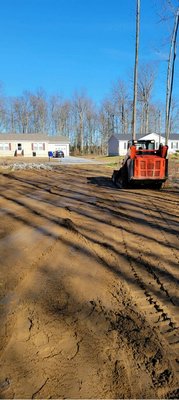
<point>87,125</point>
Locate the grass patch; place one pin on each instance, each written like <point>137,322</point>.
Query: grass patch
<point>175,156</point>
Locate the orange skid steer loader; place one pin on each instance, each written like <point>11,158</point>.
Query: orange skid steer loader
<point>143,165</point>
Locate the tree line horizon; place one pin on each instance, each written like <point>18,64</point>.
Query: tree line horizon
<point>88,125</point>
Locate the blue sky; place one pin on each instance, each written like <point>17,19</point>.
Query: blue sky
<point>68,45</point>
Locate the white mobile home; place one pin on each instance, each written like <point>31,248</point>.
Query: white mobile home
<point>117,144</point>
<point>31,144</point>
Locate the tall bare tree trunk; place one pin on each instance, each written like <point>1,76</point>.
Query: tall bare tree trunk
<point>147,119</point>
<point>159,126</point>
<point>81,133</point>
<point>136,70</point>
<point>170,76</point>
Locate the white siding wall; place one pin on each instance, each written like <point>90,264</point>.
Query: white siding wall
<point>173,146</point>
<point>5,148</point>
<point>123,147</point>
<point>29,148</point>
<point>8,148</point>
<point>41,148</point>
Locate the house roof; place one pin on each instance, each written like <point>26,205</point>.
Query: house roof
<point>174,136</point>
<point>120,136</point>
<point>125,136</point>
<point>34,137</point>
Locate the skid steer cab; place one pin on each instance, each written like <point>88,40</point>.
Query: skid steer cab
<point>143,165</point>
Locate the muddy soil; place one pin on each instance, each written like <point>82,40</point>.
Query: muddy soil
<point>89,287</point>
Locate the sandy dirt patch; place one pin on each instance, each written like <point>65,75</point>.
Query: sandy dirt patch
<point>89,287</point>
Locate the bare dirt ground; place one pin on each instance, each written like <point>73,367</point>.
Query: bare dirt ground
<point>88,293</point>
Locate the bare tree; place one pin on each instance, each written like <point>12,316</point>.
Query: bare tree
<point>21,113</point>
<point>91,127</point>
<point>59,115</point>
<point>120,98</point>
<point>174,115</point>
<point>2,108</point>
<point>39,112</point>
<point>156,111</point>
<point>106,122</point>
<point>81,109</point>
<point>145,86</point>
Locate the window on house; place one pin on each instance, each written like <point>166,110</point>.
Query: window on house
<point>19,146</point>
<point>37,146</point>
<point>40,146</point>
<point>125,145</point>
<point>175,145</point>
<point>4,146</point>
<point>171,145</point>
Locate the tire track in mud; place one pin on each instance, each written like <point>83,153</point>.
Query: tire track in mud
<point>154,309</point>
<point>157,313</point>
<point>170,249</point>
<point>156,209</point>
<point>163,378</point>
<point>109,259</point>
<point>157,265</point>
